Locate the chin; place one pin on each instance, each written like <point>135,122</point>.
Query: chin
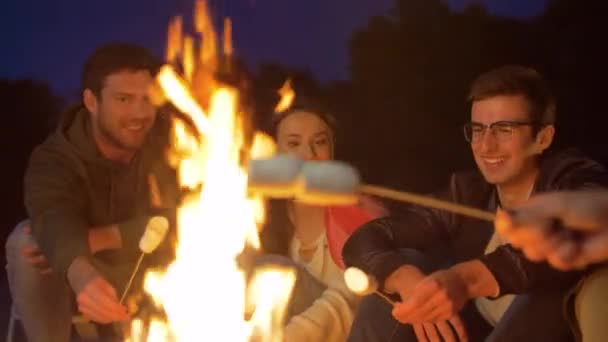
<point>132,145</point>
<point>493,179</point>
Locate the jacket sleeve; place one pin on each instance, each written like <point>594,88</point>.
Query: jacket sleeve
<point>377,247</point>
<point>514,273</point>
<point>55,202</point>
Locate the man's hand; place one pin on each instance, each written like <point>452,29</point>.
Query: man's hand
<point>407,281</point>
<point>582,239</point>
<point>441,331</point>
<point>98,302</point>
<point>97,299</point>
<point>436,298</point>
<point>34,256</point>
<point>441,295</point>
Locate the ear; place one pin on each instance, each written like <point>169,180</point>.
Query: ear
<point>544,138</point>
<point>90,101</point>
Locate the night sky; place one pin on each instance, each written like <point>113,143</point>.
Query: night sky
<point>49,39</point>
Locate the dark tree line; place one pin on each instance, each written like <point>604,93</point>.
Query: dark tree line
<point>401,112</point>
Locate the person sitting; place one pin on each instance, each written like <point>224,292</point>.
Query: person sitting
<point>312,236</point>
<point>88,197</point>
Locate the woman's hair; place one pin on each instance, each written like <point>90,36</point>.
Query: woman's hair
<point>304,104</point>
<point>278,230</point>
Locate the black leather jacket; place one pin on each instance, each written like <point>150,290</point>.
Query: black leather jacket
<point>375,247</point>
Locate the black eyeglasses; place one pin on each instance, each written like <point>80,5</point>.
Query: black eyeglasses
<point>501,130</point>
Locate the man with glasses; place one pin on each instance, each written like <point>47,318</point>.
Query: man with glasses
<point>455,277</point>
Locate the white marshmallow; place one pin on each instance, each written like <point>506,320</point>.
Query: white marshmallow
<point>275,177</point>
<point>329,183</point>
<point>359,282</point>
<point>155,233</point>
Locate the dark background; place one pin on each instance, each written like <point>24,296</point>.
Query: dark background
<point>394,72</point>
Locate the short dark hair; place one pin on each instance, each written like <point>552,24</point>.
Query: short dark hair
<point>115,57</point>
<point>517,80</point>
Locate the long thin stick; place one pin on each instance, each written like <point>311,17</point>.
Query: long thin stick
<point>124,294</point>
<point>385,297</point>
<point>427,202</point>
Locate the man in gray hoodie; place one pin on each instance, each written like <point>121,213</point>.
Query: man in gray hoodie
<point>87,193</point>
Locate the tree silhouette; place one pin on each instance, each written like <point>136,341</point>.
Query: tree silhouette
<point>30,109</point>
<point>411,71</point>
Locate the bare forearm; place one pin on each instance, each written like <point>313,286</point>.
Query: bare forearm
<point>478,279</point>
<point>104,238</point>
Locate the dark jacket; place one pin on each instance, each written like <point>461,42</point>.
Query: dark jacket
<point>375,247</point>
<point>70,188</point>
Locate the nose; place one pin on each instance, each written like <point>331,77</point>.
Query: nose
<point>143,109</point>
<point>488,141</point>
<point>310,153</point>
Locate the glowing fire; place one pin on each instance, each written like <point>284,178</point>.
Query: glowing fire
<point>204,292</point>
<point>287,96</point>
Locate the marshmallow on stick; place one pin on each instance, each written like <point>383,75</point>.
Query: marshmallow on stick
<point>313,182</point>
<point>359,282</point>
<point>328,183</point>
<point>275,177</point>
<point>363,284</point>
<point>155,233</point>
<point>335,183</point>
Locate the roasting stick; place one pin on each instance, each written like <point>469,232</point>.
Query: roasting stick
<point>155,233</point>
<point>426,201</point>
<point>333,183</point>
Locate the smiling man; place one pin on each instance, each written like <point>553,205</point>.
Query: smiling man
<point>455,276</point>
<point>88,198</point>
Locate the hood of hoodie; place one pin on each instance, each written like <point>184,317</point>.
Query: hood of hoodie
<point>75,133</point>
<point>121,186</point>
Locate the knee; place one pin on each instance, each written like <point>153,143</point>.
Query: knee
<point>373,313</point>
<point>593,289</point>
<point>591,306</point>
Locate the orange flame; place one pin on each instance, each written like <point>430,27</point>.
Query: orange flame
<point>174,38</point>
<point>188,58</point>
<point>204,290</point>
<point>228,37</point>
<point>287,96</point>
<point>204,26</point>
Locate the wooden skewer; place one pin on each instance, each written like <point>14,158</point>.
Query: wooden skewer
<point>426,201</point>
<point>385,297</point>
<point>130,282</point>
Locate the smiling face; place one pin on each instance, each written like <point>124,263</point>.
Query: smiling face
<point>504,161</point>
<point>122,114</point>
<point>305,134</point>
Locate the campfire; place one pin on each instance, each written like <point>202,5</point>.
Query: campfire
<point>204,292</point>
